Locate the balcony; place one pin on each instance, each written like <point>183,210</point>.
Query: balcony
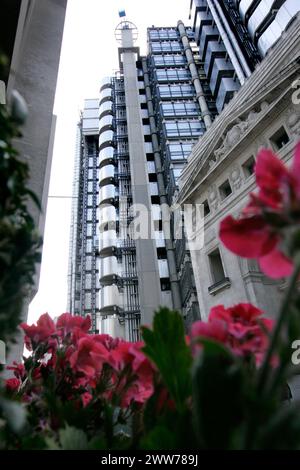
<point>109,301</point>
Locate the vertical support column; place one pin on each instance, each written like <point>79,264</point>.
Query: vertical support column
<point>175,289</point>
<point>195,77</point>
<point>147,265</point>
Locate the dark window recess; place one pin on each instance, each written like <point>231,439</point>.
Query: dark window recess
<point>140,78</point>
<point>155,200</point>
<point>206,209</point>
<point>279,139</point>
<point>142,91</point>
<point>152,177</point>
<point>216,266</point>
<point>143,105</point>
<point>161,253</point>
<point>147,138</point>
<point>150,157</point>
<point>165,284</point>
<point>225,189</point>
<point>146,121</point>
<point>248,167</point>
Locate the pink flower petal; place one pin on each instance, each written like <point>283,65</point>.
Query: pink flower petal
<point>248,237</point>
<point>276,265</point>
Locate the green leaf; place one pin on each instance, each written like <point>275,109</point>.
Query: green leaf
<point>218,396</point>
<point>73,439</point>
<point>165,345</point>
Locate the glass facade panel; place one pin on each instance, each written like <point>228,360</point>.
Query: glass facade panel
<point>184,128</point>
<point>180,150</point>
<point>180,109</point>
<point>169,60</point>
<point>176,91</point>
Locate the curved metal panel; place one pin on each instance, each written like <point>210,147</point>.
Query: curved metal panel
<point>107,193</point>
<point>107,218</point>
<point>107,175</point>
<point>106,94</point>
<point>105,83</point>
<point>105,108</point>
<point>107,243</point>
<point>108,270</point>
<point>109,301</point>
<point>106,122</point>
<point>105,139</point>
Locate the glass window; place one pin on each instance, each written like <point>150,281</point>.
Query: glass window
<point>89,230</point>
<point>184,128</point>
<point>176,91</point>
<point>180,150</point>
<point>169,60</point>
<point>180,109</point>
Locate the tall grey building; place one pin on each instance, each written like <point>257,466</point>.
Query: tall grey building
<point>30,38</point>
<point>150,116</point>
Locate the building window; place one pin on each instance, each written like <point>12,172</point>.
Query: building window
<point>180,151</point>
<point>176,91</point>
<point>169,60</point>
<point>216,266</point>
<point>180,109</point>
<point>225,190</point>
<point>279,139</point>
<point>248,167</point>
<point>184,128</point>
<point>206,208</point>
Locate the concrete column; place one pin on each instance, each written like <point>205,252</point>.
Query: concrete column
<point>147,264</point>
<point>195,77</point>
<point>175,288</point>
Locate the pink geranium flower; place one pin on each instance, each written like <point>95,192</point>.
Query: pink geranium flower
<point>88,357</point>
<point>12,385</point>
<point>40,332</point>
<point>240,328</point>
<point>259,232</point>
<point>66,323</point>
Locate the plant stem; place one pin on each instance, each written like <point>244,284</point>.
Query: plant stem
<point>280,322</point>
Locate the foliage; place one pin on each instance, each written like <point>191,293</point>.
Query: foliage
<point>19,241</point>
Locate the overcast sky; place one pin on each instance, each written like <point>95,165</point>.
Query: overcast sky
<point>89,52</point>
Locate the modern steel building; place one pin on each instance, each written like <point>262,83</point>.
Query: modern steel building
<point>150,116</point>
<point>234,36</point>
